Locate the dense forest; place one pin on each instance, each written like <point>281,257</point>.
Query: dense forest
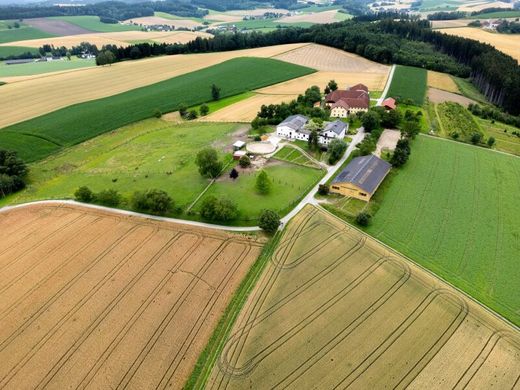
<point>110,10</point>
<point>406,42</point>
<point>446,15</point>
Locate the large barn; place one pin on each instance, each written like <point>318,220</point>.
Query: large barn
<point>361,177</point>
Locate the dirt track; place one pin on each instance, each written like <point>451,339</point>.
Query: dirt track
<point>439,96</point>
<point>99,300</point>
<point>336,309</point>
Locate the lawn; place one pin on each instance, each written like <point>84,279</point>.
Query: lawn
<point>43,67</point>
<point>92,23</point>
<point>454,209</point>
<point>7,51</point>
<point>294,156</point>
<point>216,105</point>
<point>22,33</point>
<point>409,83</point>
<point>289,183</point>
<point>77,123</point>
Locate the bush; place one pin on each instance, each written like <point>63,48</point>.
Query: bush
<point>153,201</point>
<point>269,221</point>
<point>110,198</point>
<point>476,138</point>
<point>323,189</point>
<point>12,173</point>
<point>84,194</point>
<point>337,149</point>
<point>244,161</point>
<point>204,109</point>
<point>491,141</point>
<point>263,183</point>
<point>214,209</point>
<point>401,153</point>
<point>363,219</point>
<point>191,115</point>
<point>157,113</point>
<point>371,120</point>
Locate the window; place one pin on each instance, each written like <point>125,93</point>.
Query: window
<point>362,194</point>
<point>335,187</point>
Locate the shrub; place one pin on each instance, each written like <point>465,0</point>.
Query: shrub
<point>476,138</point>
<point>215,92</point>
<point>269,221</point>
<point>183,110</point>
<point>363,219</point>
<point>191,115</point>
<point>244,161</point>
<point>263,183</point>
<point>84,194</point>
<point>337,149</point>
<point>110,198</point>
<point>204,109</point>
<point>157,113</point>
<point>491,141</point>
<point>12,173</point>
<point>214,209</point>
<point>371,121</point>
<point>153,201</point>
<point>233,174</point>
<point>323,189</point>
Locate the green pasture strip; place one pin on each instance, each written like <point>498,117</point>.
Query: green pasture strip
<point>6,51</point>
<point>166,15</point>
<point>469,90</point>
<point>33,147</point>
<point>93,23</point>
<point>22,33</point>
<point>454,209</point>
<point>409,83</point>
<point>213,349</point>
<point>216,105</point>
<point>80,122</point>
<point>506,141</point>
<point>497,14</point>
<point>33,68</point>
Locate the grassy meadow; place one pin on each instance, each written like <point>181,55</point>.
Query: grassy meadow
<point>93,23</point>
<point>21,33</point>
<point>43,67</point>
<point>6,51</point>
<point>77,123</point>
<point>409,83</point>
<point>454,209</point>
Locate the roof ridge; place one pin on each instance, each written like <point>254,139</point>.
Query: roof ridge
<point>364,165</point>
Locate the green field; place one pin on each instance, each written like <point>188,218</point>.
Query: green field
<point>6,51</point>
<point>498,14</point>
<point>469,90</point>
<point>22,33</point>
<point>43,67</point>
<point>158,154</point>
<point>455,119</point>
<point>219,104</point>
<point>409,83</point>
<point>92,23</point>
<point>454,209</point>
<point>294,156</point>
<point>83,121</point>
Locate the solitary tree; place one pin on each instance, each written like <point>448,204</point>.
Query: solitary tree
<point>183,110</point>
<point>332,85</point>
<point>313,140</point>
<point>337,148</point>
<point>215,209</point>
<point>476,138</point>
<point>204,109</point>
<point>84,194</point>
<point>208,163</point>
<point>269,221</point>
<point>215,92</point>
<point>491,141</point>
<point>233,174</point>
<point>68,55</point>
<point>363,219</point>
<point>263,183</point>
<point>371,120</point>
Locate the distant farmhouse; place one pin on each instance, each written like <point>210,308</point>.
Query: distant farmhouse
<point>294,128</point>
<point>342,103</point>
<point>361,177</point>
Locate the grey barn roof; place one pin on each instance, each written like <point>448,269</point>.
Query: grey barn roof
<point>366,172</point>
<point>337,127</point>
<point>295,122</point>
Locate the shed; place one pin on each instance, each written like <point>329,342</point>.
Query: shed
<point>238,154</point>
<point>238,145</point>
<point>361,177</point>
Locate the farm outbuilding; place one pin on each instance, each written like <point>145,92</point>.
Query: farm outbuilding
<point>361,177</point>
<point>238,145</point>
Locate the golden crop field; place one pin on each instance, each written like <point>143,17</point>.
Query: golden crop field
<point>374,82</point>
<point>113,38</point>
<point>478,6</point>
<point>336,309</point>
<point>246,110</point>
<point>316,17</point>
<point>442,81</point>
<point>151,20</point>
<point>507,43</point>
<point>97,299</point>
<point>39,95</point>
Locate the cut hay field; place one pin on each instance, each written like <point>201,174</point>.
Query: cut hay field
<point>39,96</point>
<point>122,38</point>
<point>409,83</point>
<point>479,6</point>
<point>331,16</point>
<point>453,208</point>
<point>333,308</point>
<point>442,81</point>
<point>507,43</point>
<point>98,299</point>
<point>152,20</point>
<point>80,122</point>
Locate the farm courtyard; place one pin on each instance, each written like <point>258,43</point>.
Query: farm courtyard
<point>454,209</point>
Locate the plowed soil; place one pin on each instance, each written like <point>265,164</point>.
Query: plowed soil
<point>56,27</point>
<point>97,299</point>
<point>336,309</point>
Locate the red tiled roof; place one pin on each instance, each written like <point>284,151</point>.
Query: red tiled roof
<point>341,103</point>
<point>389,103</point>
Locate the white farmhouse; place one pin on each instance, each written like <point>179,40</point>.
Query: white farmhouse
<point>293,127</point>
<point>336,129</point>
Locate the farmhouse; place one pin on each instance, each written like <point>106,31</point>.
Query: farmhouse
<point>361,177</point>
<point>293,128</point>
<point>336,129</point>
<point>342,103</point>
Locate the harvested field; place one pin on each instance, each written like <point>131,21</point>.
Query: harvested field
<point>484,5</point>
<point>246,110</point>
<point>56,27</point>
<point>151,20</point>
<point>438,96</point>
<point>316,17</point>
<point>122,38</point>
<point>39,96</point>
<point>442,81</point>
<point>507,43</point>
<point>437,24</point>
<point>331,60</point>
<point>336,309</point>
<point>374,82</point>
<point>102,300</point>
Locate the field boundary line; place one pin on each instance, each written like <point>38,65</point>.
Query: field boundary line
<point>431,273</point>
<point>387,86</point>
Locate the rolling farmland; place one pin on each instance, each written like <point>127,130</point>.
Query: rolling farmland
<point>409,83</point>
<point>453,208</point>
<point>39,97</point>
<point>97,299</point>
<point>78,123</point>
<point>336,309</point>
<point>442,81</point>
